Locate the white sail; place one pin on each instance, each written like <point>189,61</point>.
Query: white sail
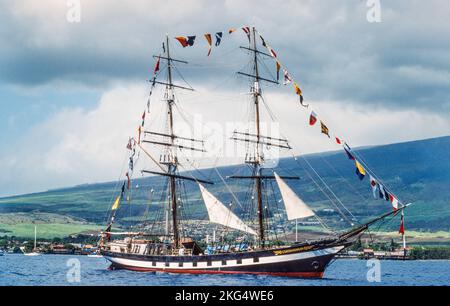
<point>295,207</point>
<point>220,214</point>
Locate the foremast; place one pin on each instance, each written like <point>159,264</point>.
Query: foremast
<point>172,163</point>
<point>168,162</point>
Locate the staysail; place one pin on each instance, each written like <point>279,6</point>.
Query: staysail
<point>220,214</point>
<point>295,207</point>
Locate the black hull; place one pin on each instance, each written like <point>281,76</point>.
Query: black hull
<point>295,261</point>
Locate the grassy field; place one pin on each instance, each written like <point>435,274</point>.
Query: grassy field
<point>48,225</point>
<point>46,231</point>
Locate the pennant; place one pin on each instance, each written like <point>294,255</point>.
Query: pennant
<point>324,129</point>
<point>312,118</point>
<point>360,171</point>
<point>218,38</point>
<point>278,70</point>
<point>164,47</point>
<point>263,41</point>
<point>128,181</point>
<point>298,91</point>
<point>183,41</point>
<point>143,118</point>
<point>231,30</point>
<point>272,52</point>
<point>131,164</point>
<point>247,31</point>
<point>374,185</point>
<point>139,135</point>
<point>155,71</point>
<point>394,202</point>
<point>116,204</point>
<point>209,40</point>
<point>129,144</point>
<point>383,194</point>
<point>190,40</point>
<point>287,77</point>
<point>347,151</point>
<point>402,224</point>
<point>338,141</point>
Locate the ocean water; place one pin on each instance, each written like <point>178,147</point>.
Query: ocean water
<point>66,270</point>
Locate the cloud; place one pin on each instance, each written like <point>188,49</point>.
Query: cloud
<point>76,145</point>
<point>328,46</point>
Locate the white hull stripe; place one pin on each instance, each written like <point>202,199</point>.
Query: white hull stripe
<point>229,263</point>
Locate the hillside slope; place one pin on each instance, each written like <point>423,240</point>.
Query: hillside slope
<point>419,172</point>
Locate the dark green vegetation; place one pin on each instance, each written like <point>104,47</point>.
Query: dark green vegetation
<point>417,171</point>
<point>430,253</point>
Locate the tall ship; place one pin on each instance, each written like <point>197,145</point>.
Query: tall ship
<point>239,238</point>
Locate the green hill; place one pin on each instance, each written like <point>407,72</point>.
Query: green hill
<point>417,172</point>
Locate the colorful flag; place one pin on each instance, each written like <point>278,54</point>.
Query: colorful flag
<point>374,185</point>
<point>155,71</point>
<point>139,135</point>
<point>272,52</point>
<point>143,118</point>
<point>247,31</point>
<point>209,40</point>
<point>183,41</point>
<point>116,203</point>
<point>298,91</point>
<point>128,181</point>
<point>218,38</point>
<point>129,144</point>
<point>231,30</point>
<point>402,224</point>
<point>324,129</point>
<point>394,202</point>
<point>278,70</point>
<point>287,77</point>
<point>263,41</point>
<point>360,171</point>
<point>190,40</point>
<point>347,151</point>
<point>312,118</point>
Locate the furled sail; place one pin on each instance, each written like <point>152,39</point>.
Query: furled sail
<point>295,207</point>
<point>220,214</point>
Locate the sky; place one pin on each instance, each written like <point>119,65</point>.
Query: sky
<point>73,90</point>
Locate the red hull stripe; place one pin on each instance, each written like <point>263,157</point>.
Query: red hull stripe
<point>285,274</point>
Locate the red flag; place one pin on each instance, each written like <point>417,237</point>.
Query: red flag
<point>247,31</point>
<point>183,41</point>
<point>157,66</point>
<point>394,202</point>
<point>402,225</point>
<point>338,141</point>
<point>312,118</point>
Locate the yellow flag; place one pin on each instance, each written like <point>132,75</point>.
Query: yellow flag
<point>298,91</point>
<point>116,203</point>
<point>360,168</point>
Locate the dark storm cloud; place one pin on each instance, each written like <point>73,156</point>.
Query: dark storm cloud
<point>333,51</point>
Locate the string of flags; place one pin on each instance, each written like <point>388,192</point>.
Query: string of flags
<point>378,189</point>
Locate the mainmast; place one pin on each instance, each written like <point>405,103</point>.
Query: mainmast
<point>172,164</point>
<point>256,160</point>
